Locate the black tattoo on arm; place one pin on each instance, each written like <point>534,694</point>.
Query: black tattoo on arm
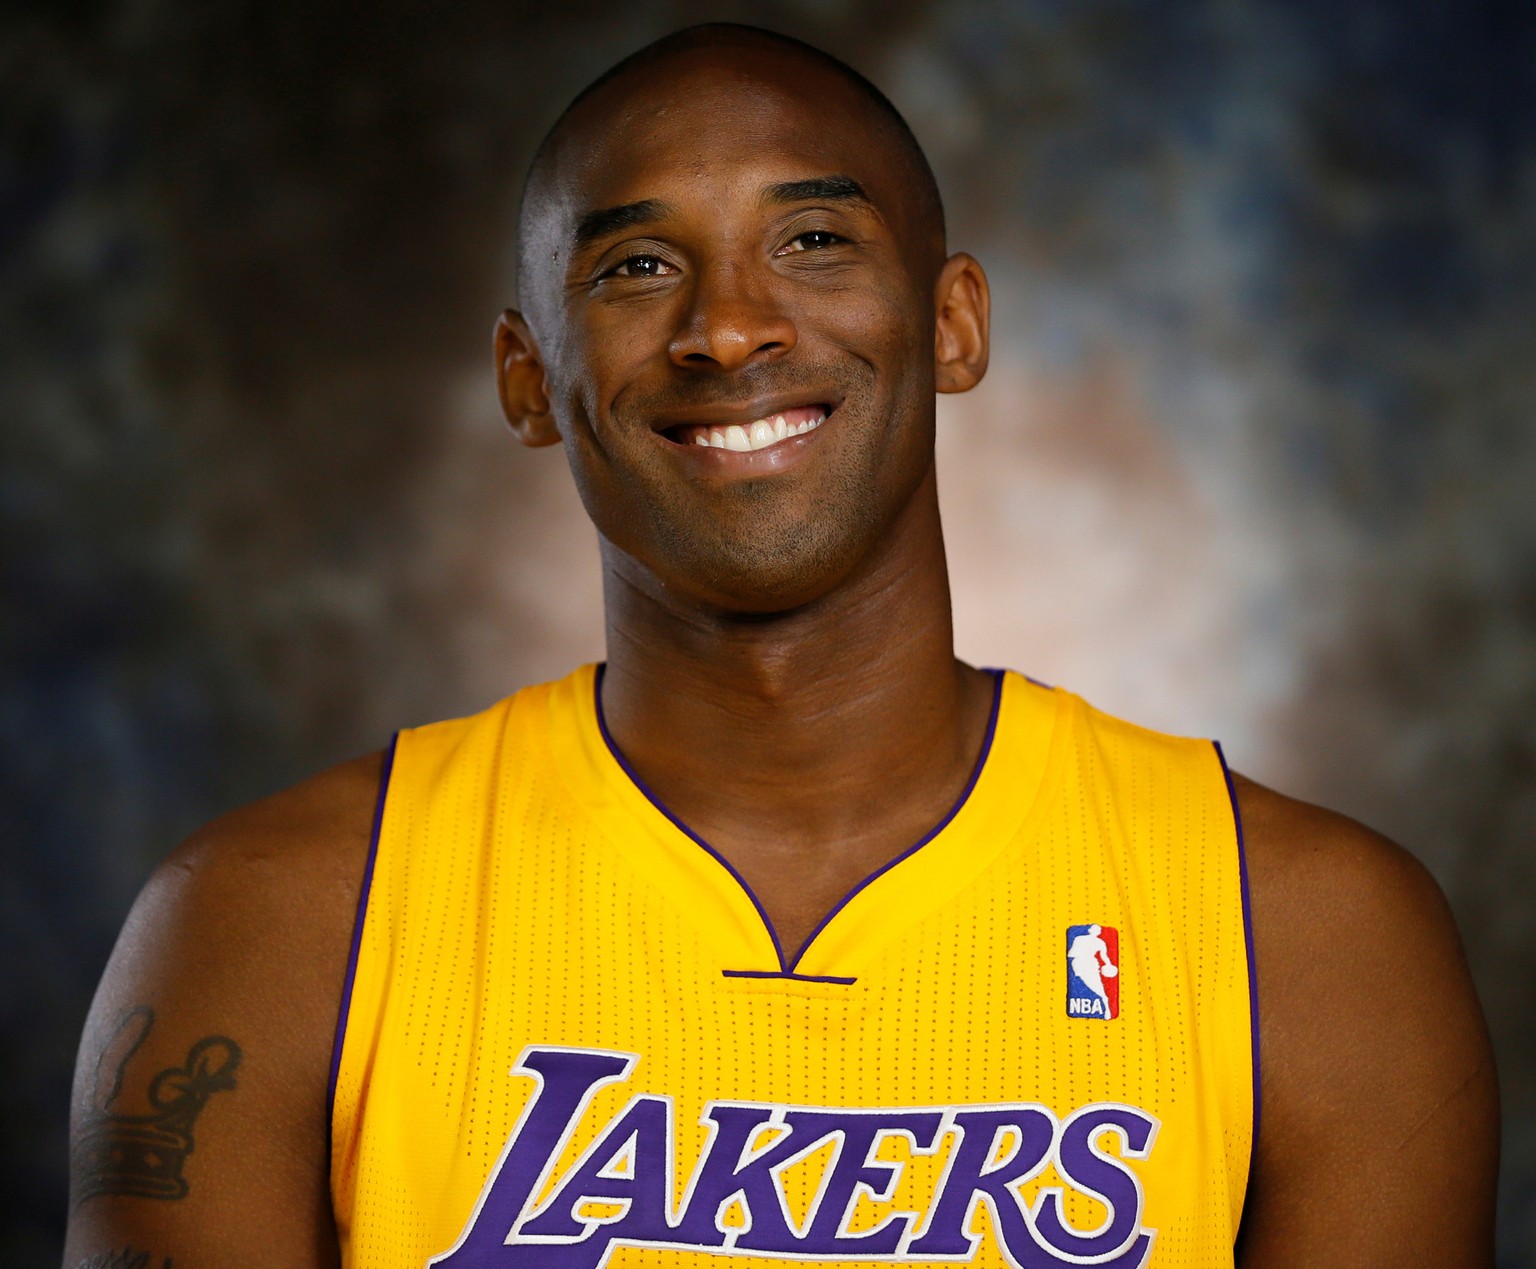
<point>126,1258</point>
<point>143,1155</point>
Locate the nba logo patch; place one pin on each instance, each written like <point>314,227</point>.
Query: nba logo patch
<point>1093,971</point>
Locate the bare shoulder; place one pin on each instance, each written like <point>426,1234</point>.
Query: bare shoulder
<point>269,888</point>
<point>299,850</point>
<point>216,1016</point>
<point>1318,867</point>
<point>1379,1101</point>
<point>1351,931</point>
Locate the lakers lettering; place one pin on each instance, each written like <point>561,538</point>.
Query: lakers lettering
<point>529,1216</point>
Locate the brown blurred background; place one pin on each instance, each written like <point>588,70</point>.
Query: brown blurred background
<point>1256,458</point>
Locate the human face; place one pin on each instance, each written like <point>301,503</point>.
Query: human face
<point>729,240</point>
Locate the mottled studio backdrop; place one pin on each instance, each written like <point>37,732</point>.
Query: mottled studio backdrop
<point>1256,458</point>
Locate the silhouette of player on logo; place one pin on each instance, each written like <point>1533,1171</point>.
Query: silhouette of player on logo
<point>1091,962</point>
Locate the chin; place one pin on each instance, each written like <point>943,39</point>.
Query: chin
<point>761,575</point>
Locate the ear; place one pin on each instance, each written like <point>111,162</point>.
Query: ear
<point>962,331</point>
<point>520,381</point>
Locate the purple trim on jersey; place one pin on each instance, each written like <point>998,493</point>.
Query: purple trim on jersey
<point>634,776</point>
<point>357,938</point>
<point>799,978</point>
<point>1253,977</point>
<point>1028,678</point>
<point>981,761</point>
<point>786,967</point>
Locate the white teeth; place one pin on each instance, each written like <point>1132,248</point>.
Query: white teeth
<point>758,434</point>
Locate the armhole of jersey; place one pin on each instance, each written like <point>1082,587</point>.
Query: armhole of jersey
<point>357,942</point>
<point>1253,977</point>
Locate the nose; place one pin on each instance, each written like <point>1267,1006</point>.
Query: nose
<point>731,322</point>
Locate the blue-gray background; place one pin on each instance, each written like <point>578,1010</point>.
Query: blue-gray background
<point>1256,458</point>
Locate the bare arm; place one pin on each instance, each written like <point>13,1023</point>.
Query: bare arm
<point>1378,1142</point>
<point>199,1131</point>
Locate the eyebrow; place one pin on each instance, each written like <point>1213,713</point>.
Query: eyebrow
<point>593,225</point>
<point>818,189</point>
<point>607,220</point>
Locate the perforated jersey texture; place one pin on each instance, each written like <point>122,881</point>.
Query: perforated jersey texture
<point>531,910</point>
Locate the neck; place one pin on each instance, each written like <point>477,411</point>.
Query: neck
<point>847,720</point>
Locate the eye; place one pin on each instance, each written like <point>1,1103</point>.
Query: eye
<point>811,240</point>
<point>639,266</point>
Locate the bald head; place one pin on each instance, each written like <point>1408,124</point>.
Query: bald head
<point>748,59</point>
<point>736,312</point>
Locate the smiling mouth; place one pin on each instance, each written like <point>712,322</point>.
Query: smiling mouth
<point>758,434</point>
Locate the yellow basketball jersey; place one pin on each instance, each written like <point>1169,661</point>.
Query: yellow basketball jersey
<point>570,1038</point>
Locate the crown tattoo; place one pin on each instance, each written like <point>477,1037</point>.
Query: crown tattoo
<point>144,1155</point>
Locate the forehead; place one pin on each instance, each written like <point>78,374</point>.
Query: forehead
<point>718,122</point>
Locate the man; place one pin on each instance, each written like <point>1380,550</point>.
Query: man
<point>755,942</point>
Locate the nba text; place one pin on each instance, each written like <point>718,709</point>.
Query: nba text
<point>529,1216</point>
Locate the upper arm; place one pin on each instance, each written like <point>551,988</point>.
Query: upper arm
<point>1378,1140</point>
<point>199,1130</point>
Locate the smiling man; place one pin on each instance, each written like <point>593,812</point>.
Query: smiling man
<point>783,936</point>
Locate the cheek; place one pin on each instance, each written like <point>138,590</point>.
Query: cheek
<point>593,373</point>
<point>888,323</point>
<point>624,334</point>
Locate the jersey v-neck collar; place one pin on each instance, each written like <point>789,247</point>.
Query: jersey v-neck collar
<point>1005,789</point>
